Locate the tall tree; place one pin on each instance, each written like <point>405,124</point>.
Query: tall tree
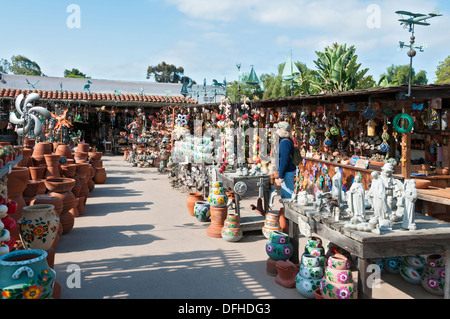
<point>4,66</point>
<point>337,69</point>
<point>399,74</point>
<point>165,73</point>
<point>443,72</point>
<point>21,65</point>
<point>75,73</point>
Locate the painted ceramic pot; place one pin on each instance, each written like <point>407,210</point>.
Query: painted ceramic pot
<point>306,287</point>
<point>231,234</point>
<point>314,242</point>
<point>410,274</point>
<point>279,246</point>
<point>218,200</point>
<point>202,211</point>
<point>338,276</point>
<point>311,272</point>
<point>271,223</point>
<point>218,191</point>
<point>25,274</point>
<point>391,265</point>
<point>217,184</point>
<point>434,285</point>
<point>338,291</point>
<point>310,260</point>
<point>191,200</point>
<point>338,261</point>
<point>316,251</point>
<point>435,260</point>
<point>38,226</point>
<point>435,271</point>
<point>413,261</point>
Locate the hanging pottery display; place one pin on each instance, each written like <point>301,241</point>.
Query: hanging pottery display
<point>25,274</point>
<point>38,226</point>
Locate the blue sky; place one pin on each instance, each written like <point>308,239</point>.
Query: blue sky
<point>118,40</point>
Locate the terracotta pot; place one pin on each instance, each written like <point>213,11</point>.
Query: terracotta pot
<point>80,157</point>
<point>74,210</point>
<point>67,222</point>
<point>29,143</point>
<point>48,199</point>
<point>42,189</point>
<point>69,170</point>
<point>67,198</point>
<point>64,150</point>
<point>52,171</point>
<point>422,183</point>
<point>37,172</point>
<point>218,216</point>
<point>26,154</point>
<point>81,203</point>
<point>42,148</point>
<point>17,181</point>
<point>52,159</point>
<point>55,146</point>
<point>271,268</point>
<point>33,186</point>
<point>77,187</point>
<point>191,200</point>
<point>100,175</point>
<point>59,184</point>
<point>287,271</point>
<point>83,147</point>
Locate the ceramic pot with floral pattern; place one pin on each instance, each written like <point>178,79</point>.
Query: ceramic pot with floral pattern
<point>202,211</point>
<point>231,230</point>
<point>25,274</point>
<point>217,195</point>
<point>279,246</point>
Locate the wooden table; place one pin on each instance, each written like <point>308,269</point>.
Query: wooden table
<point>435,195</point>
<point>431,237</point>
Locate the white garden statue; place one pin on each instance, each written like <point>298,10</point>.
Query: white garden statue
<point>410,203</point>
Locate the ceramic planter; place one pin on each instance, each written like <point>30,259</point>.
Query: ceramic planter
<point>25,274</point>
<point>100,175</point>
<point>311,272</point>
<point>410,274</point>
<point>38,226</point>
<point>338,291</point>
<point>191,200</point>
<point>271,223</point>
<point>286,273</point>
<point>220,200</point>
<point>435,260</point>
<point>434,285</point>
<point>231,230</point>
<point>314,242</point>
<point>342,276</point>
<point>306,287</point>
<point>391,265</point>
<point>218,216</point>
<point>316,251</point>
<point>338,261</point>
<point>310,260</point>
<point>37,172</point>
<point>202,211</point>
<point>279,246</point>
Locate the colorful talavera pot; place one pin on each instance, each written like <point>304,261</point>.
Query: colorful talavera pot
<point>217,195</point>
<point>311,272</point>
<point>307,286</point>
<point>231,230</point>
<point>338,262</point>
<point>433,284</point>
<point>310,260</point>
<point>202,211</point>
<point>341,276</point>
<point>38,226</point>
<point>25,274</point>
<point>279,246</point>
<point>338,291</point>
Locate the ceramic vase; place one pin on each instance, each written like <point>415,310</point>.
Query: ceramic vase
<point>217,195</point>
<point>100,175</point>
<point>271,223</point>
<point>83,147</point>
<point>25,274</point>
<point>279,246</point>
<point>191,200</point>
<point>433,277</point>
<point>337,282</point>
<point>231,230</point>
<point>82,170</point>
<point>202,211</point>
<point>218,216</point>
<point>17,182</point>
<point>38,226</point>
<point>62,188</point>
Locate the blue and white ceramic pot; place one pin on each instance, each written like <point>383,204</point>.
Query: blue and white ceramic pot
<point>202,211</point>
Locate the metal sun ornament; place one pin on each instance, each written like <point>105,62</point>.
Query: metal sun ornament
<point>61,120</point>
<point>27,114</point>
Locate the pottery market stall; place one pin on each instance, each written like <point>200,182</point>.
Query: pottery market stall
<point>244,185</point>
<point>431,237</point>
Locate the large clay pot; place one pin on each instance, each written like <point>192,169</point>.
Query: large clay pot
<point>191,200</point>
<point>80,157</point>
<point>338,282</point>
<point>279,246</point>
<point>64,150</point>
<point>271,223</point>
<point>62,188</point>
<point>29,143</point>
<point>83,147</point>
<point>100,175</point>
<point>16,184</point>
<point>218,215</point>
<point>25,274</point>
<point>26,154</point>
<point>37,172</point>
<point>40,149</point>
<point>33,187</point>
<point>38,226</point>
<point>69,170</point>
<point>202,211</point>
<point>83,173</point>
<point>56,202</point>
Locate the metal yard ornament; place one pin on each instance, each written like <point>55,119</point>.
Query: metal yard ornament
<point>410,23</point>
<point>290,73</point>
<point>28,115</point>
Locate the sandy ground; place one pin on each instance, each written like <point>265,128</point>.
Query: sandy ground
<point>137,240</point>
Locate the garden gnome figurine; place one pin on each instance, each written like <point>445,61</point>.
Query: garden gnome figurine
<point>336,191</point>
<point>410,202</point>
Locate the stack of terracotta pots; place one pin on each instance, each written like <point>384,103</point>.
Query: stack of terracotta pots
<point>62,187</point>
<point>97,163</point>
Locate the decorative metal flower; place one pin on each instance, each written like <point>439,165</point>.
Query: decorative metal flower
<point>27,114</point>
<point>181,120</point>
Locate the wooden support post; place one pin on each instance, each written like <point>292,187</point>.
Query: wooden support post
<point>364,291</point>
<point>406,155</point>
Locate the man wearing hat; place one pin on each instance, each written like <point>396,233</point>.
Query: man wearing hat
<point>286,168</point>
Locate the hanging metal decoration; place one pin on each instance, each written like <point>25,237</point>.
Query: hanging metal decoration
<point>384,147</point>
<point>403,123</point>
<point>430,117</point>
<point>312,138</point>
<point>369,113</point>
<point>27,114</point>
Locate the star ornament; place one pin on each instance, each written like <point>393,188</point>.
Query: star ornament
<point>61,121</point>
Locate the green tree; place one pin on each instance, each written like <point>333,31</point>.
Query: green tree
<point>443,72</point>
<point>165,73</point>
<point>21,65</point>
<point>399,74</point>
<point>4,66</point>
<point>75,73</point>
<point>337,69</point>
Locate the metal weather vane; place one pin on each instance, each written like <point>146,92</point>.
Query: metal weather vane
<point>410,23</point>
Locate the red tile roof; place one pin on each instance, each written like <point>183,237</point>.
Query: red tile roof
<point>57,95</point>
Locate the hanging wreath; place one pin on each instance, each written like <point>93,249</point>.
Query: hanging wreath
<point>403,123</point>
<point>430,117</point>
